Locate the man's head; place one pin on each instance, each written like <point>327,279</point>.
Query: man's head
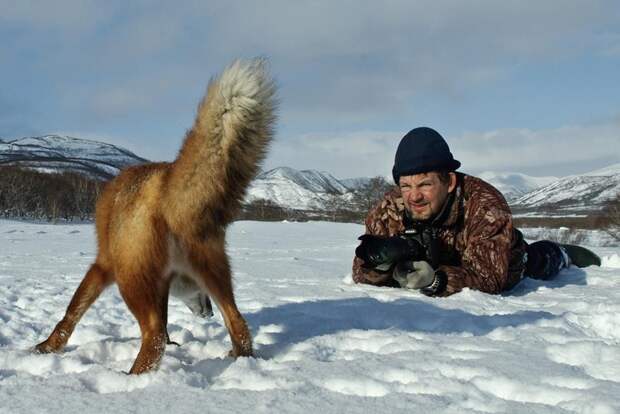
<point>424,170</point>
<point>425,194</point>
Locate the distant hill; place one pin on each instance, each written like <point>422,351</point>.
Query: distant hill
<point>55,153</point>
<point>575,194</point>
<point>317,190</point>
<point>515,185</point>
<point>355,183</point>
<point>298,190</point>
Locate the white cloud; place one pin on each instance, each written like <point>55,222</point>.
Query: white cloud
<point>534,152</point>
<point>360,58</point>
<point>342,66</point>
<point>345,155</point>
<point>525,150</point>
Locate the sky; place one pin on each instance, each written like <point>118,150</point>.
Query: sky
<point>514,86</point>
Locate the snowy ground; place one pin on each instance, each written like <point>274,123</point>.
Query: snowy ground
<point>322,344</point>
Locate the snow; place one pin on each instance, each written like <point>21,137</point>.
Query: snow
<point>63,153</point>
<point>514,185</point>
<point>612,261</point>
<point>587,191</point>
<point>283,192</point>
<point>357,182</point>
<point>575,191</point>
<point>313,180</point>
<point>613,169</point>
<point>567,235</point>
<point>298,190</point>
<point>69,146</point>
<point>323,344</point>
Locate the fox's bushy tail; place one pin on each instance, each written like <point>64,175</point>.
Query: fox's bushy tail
<point>223,150</point>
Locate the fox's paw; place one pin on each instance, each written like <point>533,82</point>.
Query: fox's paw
<point>46,347</point>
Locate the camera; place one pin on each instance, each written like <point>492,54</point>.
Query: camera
<point>382,253</point>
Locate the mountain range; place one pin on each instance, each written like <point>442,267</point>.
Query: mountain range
<point>515,185</point>
<point>312,189</point>
<point>55,153</point>
<point>574,194</point>
<point>298,190</point>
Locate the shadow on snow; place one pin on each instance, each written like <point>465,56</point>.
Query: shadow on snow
<point>572,276</point>
<point>306,320</point>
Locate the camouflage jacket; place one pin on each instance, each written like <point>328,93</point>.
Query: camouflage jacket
<point>479,247</point>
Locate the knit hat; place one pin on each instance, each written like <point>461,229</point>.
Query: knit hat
<point>422,150</point>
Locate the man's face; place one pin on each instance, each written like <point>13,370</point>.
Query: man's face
<point>425,194</point>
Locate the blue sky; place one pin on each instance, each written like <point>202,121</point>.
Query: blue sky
<point>514,86</point>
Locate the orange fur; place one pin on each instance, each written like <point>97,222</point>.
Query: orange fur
<point>159,221</point>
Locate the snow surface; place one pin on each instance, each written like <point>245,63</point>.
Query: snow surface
<point>322,343</point>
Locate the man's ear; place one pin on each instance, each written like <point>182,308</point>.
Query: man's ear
<point>452,184</point>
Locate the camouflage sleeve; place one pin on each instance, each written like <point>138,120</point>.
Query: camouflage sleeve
<point>370,277</point>
<point>377,226</point>
<point>484,264</point>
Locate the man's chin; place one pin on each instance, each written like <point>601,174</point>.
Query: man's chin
<point>421,216</point>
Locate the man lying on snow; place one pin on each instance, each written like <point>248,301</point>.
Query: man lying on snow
<point>441,231</point>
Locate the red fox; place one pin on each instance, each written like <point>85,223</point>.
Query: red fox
<point>163,223</point>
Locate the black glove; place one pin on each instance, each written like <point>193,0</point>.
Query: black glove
<point>382,252</point>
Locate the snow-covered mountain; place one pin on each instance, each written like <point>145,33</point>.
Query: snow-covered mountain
<point>576,193</point>
<point>298,190</point>
<point>313,180</point>
<point>515,185</point>
<point>312,189</point>
<point>355,183</point>
<point>55,153</point>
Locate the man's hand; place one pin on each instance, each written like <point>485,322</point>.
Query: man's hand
<point>381,253</point>
<point>414,275</point>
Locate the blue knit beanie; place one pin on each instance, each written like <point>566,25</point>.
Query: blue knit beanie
<point>422,150</point>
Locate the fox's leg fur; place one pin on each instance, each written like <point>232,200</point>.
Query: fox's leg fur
<point>146,301</point>
<point>222,292</point>
<point>211,263</point>
<point>164,313</point>
<point>94,282</point>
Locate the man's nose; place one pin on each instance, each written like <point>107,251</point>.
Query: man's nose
<point>416,195</point>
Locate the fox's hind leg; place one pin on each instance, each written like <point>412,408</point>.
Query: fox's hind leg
<point>164,312</point>
<point>94,282</point>
<point>146,301</point>
<point>211,263</point>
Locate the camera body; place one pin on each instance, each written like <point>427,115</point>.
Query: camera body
<point>414,244</point>
<point>426,239</point>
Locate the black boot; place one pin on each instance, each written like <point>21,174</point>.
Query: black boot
<point>580,256</point>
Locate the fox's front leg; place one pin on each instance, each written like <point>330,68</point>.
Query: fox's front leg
<point>94,282</point>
